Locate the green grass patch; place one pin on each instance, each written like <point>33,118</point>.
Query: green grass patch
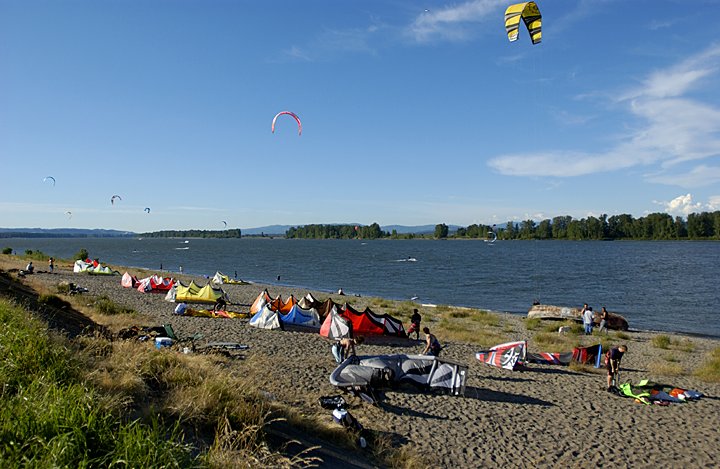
<point>622,335</point>
<point>666,369</point>
<point>709,370</point>
<point>532,324</point>
<point>105,305</point>
<point>666,342</point>
<point>662,341</point>
<point>51,417</point>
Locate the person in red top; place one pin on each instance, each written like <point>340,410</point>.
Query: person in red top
<point>612,364</point>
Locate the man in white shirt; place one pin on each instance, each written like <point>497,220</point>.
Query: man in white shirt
<point>588,320</point>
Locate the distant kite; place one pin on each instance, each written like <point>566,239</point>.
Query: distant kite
<point>49,178</point>
<point>297,119</point>
<point>69,214</point>
<point>530,14</point>
<point>225,223</point>
<point>112,199</point>
<point>147,209</point>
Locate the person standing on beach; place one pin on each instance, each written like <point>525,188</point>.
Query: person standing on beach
<point>432,345</point>
<point>588,320</point>
<point>612,364</point>
<point>51,264</point>
<point>415,324</point>
<point>344,348</point>
<point>603,320</point>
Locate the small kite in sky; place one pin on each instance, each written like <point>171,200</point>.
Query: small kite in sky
<point>294,116</point>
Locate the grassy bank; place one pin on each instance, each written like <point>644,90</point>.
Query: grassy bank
<point>94,403</point>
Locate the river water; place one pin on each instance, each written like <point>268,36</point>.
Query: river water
<point>665,286</point>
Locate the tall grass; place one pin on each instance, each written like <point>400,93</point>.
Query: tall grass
<point>51,417</point>
<point>709,370</point>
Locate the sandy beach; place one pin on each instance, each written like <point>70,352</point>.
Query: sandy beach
<point>545,416</point>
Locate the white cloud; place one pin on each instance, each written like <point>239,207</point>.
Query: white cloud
<point>452,23</point>
<point>714,202</point>
<point>333,42</point>
<point>681,205</point>
<point>675,130</point>
<point>699,176</point>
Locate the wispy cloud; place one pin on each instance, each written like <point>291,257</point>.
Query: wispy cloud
<point>453,23</point>
<point>675,129</point>
<point>332,43</point>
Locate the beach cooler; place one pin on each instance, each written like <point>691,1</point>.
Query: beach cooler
<point>161,342</point>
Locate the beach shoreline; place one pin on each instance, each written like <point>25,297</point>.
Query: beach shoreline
<point>522,418</point>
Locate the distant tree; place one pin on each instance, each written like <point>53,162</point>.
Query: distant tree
<point>82,254</point>
<point>441,231</point>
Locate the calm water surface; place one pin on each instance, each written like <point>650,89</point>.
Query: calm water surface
<point>668,286</point>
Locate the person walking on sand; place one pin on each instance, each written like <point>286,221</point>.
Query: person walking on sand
<point>603,320</point>
<point>612,364</point>
<point>415,324</point>
<point>432,345</point>
<point>344,348</point>
<point>588,320</point>
<point>51,264</point>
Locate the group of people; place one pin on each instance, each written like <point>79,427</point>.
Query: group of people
<point>344,348</point>
<point>588,317</point>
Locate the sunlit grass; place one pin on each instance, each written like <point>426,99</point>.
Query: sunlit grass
<point>709,370</point>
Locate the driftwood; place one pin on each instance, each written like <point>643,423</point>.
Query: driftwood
<point>561,313</point>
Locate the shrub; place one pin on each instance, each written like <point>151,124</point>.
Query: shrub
<point>82,254</point>
<point>662,341</point>
<point>709,370</point>
<point>7,251</point>
<point>105,305</point>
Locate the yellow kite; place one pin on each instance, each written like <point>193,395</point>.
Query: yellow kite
<point>531,16</point>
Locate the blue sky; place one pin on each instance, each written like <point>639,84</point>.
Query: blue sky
<point>413,112</point>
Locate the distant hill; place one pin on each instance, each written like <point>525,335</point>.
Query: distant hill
<point>61,233</point>
<point>270,230</point>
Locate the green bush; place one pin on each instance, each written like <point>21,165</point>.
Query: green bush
<point>662,341</point>
<point>105,305</point>
<point>7,250</point>
<point>82,254</point>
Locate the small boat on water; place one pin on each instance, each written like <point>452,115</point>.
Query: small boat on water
<point>564,313</point>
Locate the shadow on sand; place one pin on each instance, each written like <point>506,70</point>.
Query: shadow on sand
<point>497,396</point>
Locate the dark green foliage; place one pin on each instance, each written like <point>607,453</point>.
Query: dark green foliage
<point>234,233</point>
<point>82,254</point>
<point>372,231</point>
<point>654,226</point>
<point>7,251</point>
<point>441,231</point>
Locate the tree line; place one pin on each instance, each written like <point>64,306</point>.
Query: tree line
<point>654,226</point>
<point>234,233</point>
